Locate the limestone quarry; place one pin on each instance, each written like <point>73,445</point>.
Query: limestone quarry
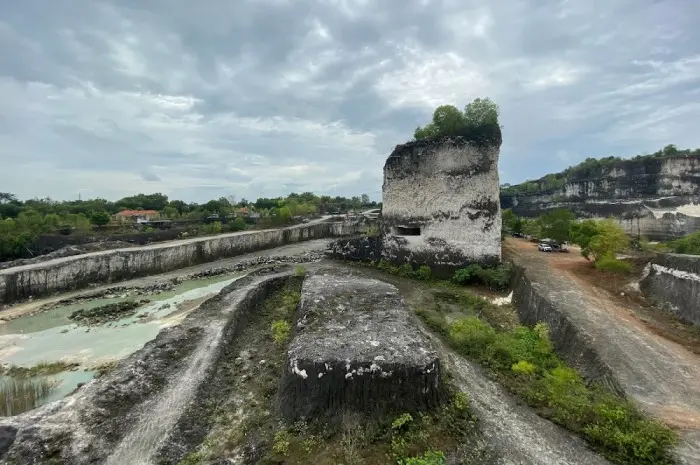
<point>321,344</point>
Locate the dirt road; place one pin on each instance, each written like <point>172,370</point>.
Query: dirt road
<point>659,373</point>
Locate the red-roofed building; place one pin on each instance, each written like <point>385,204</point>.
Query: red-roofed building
<point>136,216</point>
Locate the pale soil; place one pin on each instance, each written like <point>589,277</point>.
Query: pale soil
<point>659,371</point>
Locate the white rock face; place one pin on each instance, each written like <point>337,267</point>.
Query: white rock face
<point>79,271</point>
<point>441,204</point>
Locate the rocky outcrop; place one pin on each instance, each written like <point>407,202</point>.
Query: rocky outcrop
<point>155,404</point>
<point>70,273</point>
<point>355,347</point>
<point>673,282</point>
<point>440,204</point>
<point>656,197</point>
<point>357,249</point>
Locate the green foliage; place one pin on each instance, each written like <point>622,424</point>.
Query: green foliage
<point>300,270</point>
<point>525,361</point>
<point>481,115</point>
<point>282,441</point>
<point>281,330</point>
<point>423,273</point>
<point>523,367</point>
<point>599,239</point>
<point>428,458</point>
<point>556,224</point>
<point>613,265</point>
<point>401,423</point>
<point>495,278</point>
<point>212,228</point>
<point>237,224</point>
<point>511,222</point>
<point>98,218</point>
<point>689,244</point>
<point>587,169</point>
<point>532,227</point>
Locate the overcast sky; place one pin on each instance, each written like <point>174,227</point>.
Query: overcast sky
<point>262,97</point>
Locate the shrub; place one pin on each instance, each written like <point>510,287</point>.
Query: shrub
<point>212,228</point>
<point>282,441</point>
<point>523,368</point>
<point>238,224</point>
<point>613,265</point>
<point>428,458</point>
<point>496,278</point>
<point>280,331</point>
<point>460,401</point>
<point>471,335</point>
<point>300,271</point>
<point>406,270</point>
<point>689,244</point>
<point>424,273</point>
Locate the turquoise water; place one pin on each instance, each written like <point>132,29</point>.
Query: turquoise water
<point>51,336</point>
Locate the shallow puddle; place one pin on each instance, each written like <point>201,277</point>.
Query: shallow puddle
<point>51,336</point>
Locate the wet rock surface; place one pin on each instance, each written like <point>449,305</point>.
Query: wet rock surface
<point>355,347</point>
<point>152,400</point>
<point>106,313</point>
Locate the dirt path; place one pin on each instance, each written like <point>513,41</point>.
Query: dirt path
<point>659,373</point>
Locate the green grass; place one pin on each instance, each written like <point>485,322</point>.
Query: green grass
<point>19,395</point>
<point>613,265</point>
<point>524,361</point>
<point>41,368</point>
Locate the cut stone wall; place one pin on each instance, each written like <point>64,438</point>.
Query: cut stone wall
<point>673,281</point>
<point>355,347</point>
<point>76,272</point>
<point>441,204</point>
<point>359,249</point>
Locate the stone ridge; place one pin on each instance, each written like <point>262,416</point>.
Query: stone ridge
<point>355,347</point>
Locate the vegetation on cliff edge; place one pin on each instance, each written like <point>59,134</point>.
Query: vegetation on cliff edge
<point>478,121</point>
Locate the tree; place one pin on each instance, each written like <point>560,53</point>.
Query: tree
<point>284,215</point>
<point>6,197</point>
<point>531,227</point>
<point>171,212</point>
<point>556,224</point>
<point>448,119</point>
<point>365,199</point>
<point>481,112</point>
<point>99,218</point>
<point>511,222</point>
<point>598,239</point>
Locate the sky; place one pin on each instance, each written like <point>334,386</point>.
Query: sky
<point>259,98</point>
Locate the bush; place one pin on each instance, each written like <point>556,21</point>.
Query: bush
<point>471,335</point>
<point>525,361</point>
<point>689,244</point>
<point>238,224</point>
<point>428,458</point>
<point>212,228</point>
<point>496,278</point>
<point>613,265</point>
<point>479,121</point>
<point>280,331</point>
<point>424,273</point>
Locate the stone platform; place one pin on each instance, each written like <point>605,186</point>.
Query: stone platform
<point>355,347</point>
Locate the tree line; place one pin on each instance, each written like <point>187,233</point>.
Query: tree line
<point>21,222</point>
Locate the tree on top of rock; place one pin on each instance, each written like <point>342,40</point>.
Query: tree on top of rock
<point>449,121</point>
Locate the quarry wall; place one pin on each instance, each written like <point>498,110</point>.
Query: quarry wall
<point>69,273</point>
<point>658,198</point>
<point>441,205</point>
<point>673,281</point>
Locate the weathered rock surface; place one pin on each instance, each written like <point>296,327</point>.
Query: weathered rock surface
<point>154,404</point>
<point>356,347</point>
<point>360,249</point>
<point>80,271</point>
<point>441,204</point>
<point>673,281</point>
<point>654,197</point>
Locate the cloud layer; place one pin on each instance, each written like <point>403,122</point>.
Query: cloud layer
<point>263,97</point>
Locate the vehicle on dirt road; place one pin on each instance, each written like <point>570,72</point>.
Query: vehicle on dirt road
<point>544,247</point>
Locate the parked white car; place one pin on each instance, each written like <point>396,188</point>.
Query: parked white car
<point>544,247</point>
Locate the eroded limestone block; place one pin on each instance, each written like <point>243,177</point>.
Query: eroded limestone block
<point>441,204</point>
<point>355,347</point>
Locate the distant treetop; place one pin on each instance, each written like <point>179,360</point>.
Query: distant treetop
<point>478,121</point>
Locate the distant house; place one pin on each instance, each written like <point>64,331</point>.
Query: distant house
<point>136,216</point>
<point>243,211</point>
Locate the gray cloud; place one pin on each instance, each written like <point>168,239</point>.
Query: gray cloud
<point>261,97</point>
